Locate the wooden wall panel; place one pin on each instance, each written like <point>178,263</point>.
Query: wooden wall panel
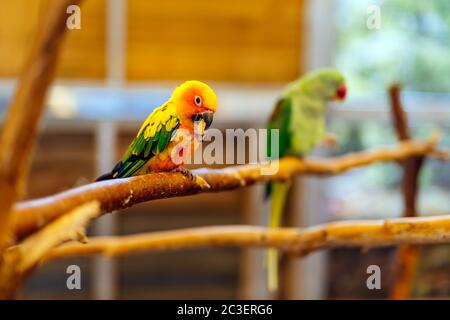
<point>250,40</point>
<point>62,160</point>
<point>17,19</point>
<point>83,53</point>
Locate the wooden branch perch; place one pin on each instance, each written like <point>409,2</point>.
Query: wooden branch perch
<point>68,227</point>
<point>412,165</point>
<point>407,256</point>
<point>365,234</point>
<point>398,114</point>
<point>21,125</point>
<point>28,216</point>
<point>21,259</point>
<point>24,112</point>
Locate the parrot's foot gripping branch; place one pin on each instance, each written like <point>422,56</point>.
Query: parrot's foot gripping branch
<point>197,179</point>
<point>185,172</point>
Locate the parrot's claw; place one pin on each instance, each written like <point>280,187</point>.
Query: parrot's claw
<point>185,172</point>
<point>197,179</point>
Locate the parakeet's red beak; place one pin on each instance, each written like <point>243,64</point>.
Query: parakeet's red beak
<point>341,92</point>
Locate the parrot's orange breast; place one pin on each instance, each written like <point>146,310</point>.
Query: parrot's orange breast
<point>179,150</point>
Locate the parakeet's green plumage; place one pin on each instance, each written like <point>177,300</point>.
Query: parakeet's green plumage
<point>152,138</point>
<point>299,115</point>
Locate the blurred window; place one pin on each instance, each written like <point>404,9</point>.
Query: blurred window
<point>412,46</point>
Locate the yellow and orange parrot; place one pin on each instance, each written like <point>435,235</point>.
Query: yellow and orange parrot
<point>170,133</point>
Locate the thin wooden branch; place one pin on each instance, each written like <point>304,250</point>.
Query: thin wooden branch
<point>68,227</point>
<point>22,258</point>
<point>398,113</point>
<point>406,267</point>
<point>24,112</point>
<point>412,165</point>
<point>117,194</point>
<point>365,234</point>
<point>407,258</point>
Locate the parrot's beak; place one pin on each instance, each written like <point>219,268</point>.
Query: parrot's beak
<point>341,92</point>
<point>206,116</point>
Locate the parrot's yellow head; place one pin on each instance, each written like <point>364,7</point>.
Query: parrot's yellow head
<point>195,101</point>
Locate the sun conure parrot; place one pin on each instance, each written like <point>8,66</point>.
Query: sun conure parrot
<point>300,117</point>
<point>169,133</point>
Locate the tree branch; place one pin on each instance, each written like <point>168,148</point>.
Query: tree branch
<point>407,256</point>
<point>398,113</point>
<point>68,227</point>
<point>22,258</point>
<point>29,216</point>
<point>365,234</point>
<point>24,112</point>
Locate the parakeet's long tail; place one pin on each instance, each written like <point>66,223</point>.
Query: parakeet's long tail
<point>106,176</point>
<point>279,193</point>
<point>111,175</point>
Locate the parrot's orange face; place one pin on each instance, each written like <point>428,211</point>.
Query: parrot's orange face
<point>195,101</point>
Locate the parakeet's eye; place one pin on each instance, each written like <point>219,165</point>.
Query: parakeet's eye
<point>198,101</point>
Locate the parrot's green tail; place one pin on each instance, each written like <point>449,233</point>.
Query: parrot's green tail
<point>279,193</point>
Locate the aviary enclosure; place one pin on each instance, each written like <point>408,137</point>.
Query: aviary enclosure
<point>120,61</point>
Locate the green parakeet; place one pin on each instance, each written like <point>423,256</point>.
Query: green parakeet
<point>300,117</point>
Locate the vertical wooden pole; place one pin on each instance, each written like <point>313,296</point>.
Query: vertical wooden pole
<point>407,256</point>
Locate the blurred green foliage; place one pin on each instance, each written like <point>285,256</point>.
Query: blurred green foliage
<point>411,46</point>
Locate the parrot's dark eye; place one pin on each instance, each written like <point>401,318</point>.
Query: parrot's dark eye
<point>198,101</point>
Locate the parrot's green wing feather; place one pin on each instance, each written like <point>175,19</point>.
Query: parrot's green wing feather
<point>280,119</point>
<point>163,139</point>
<point>153,138</point>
